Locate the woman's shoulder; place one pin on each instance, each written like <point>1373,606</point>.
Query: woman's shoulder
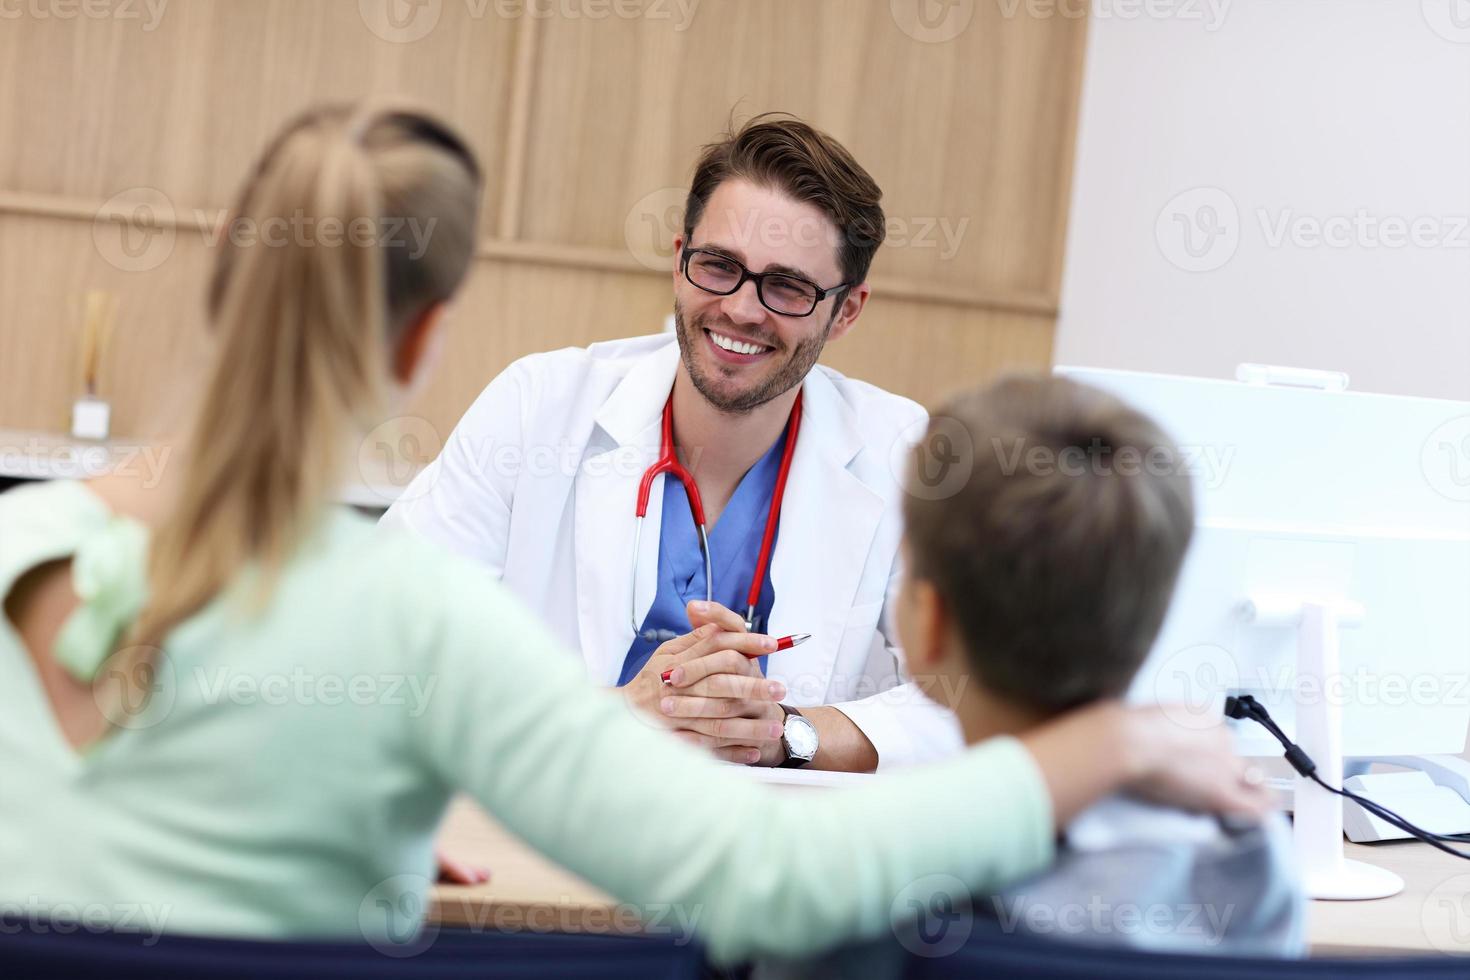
<point>397,573</point>
<point>56,502</point>
<point>359,543</point>
<point>46,520</point>
<point>403,604</point>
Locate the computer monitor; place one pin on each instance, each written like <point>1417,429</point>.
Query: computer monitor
<point>1403,675</point>
<point>1316,496</point>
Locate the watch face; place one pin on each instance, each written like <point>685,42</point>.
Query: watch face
<point>801,737</point>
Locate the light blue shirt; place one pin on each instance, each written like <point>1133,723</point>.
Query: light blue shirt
<point>734,546</point>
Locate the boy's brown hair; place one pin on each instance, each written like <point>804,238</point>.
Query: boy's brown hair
<point>779,151</point>
<point>1058,555</point>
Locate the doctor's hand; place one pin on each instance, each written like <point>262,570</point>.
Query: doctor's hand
<point>701,613</point>
<point>702,730</point>
<point>716,697</point>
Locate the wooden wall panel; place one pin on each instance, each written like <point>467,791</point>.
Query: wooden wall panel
<point>159,350</point>
<point>508,309</point>
<point>972,136</point>
<point>100,106</point>
<point>511,309</point>
<point>588,127</point>
<point>943,348</point>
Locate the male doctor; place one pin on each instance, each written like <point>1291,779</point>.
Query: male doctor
<point>541,478</point>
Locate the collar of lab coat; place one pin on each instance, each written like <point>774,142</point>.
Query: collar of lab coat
<point>828,520</point>
<point>638,402</point>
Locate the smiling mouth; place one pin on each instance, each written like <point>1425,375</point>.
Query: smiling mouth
<point>737,346</point>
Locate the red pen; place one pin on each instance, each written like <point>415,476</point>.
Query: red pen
<point>784,643</point>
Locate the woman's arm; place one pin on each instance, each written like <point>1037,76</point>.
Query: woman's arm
<point>1106,748</point>
<point>611,796</point>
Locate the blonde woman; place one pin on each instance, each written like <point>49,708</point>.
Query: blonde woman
<point>275,816</point>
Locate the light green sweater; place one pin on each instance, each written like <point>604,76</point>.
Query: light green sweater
<point>290,770</point>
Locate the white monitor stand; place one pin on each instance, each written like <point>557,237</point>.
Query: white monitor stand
<point>1317,825</point>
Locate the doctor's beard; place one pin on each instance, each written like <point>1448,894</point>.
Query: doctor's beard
<point>798,364</point>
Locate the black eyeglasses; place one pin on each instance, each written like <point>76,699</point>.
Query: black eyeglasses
<point>779,292</point>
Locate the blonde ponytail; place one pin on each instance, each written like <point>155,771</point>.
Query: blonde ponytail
<point>306,330</point>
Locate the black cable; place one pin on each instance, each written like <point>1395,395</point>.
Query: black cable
<point>1245,706</point>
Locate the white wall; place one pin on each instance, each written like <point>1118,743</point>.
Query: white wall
<point>1349,116</point>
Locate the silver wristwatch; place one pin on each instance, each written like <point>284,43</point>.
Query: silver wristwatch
<point>799,740</point>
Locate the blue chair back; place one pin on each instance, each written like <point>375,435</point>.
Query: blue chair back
<point>990,952</point>
<point>452,956</point>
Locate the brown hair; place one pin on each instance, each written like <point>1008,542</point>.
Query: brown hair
<point>1058,555</point>
<point>305,331</point>
<point>779,151</point>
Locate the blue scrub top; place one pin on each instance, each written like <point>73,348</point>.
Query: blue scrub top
<point>734,546</point>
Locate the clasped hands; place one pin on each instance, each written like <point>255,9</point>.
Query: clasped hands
<point>716,697</point>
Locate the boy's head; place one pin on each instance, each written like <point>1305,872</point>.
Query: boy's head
<point>1045,577</point>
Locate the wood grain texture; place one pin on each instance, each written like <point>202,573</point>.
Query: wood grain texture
<point>970,139</point>
<point>588,123</point>
<point>159,350</point>
<point>99,106</point>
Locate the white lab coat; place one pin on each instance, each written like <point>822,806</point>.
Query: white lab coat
<point>538,481</point>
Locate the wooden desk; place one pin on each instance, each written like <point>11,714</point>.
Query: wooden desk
<point>525,890</point>
<point>1431,915</point>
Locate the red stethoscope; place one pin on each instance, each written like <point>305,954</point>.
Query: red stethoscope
<point>669,463</point>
